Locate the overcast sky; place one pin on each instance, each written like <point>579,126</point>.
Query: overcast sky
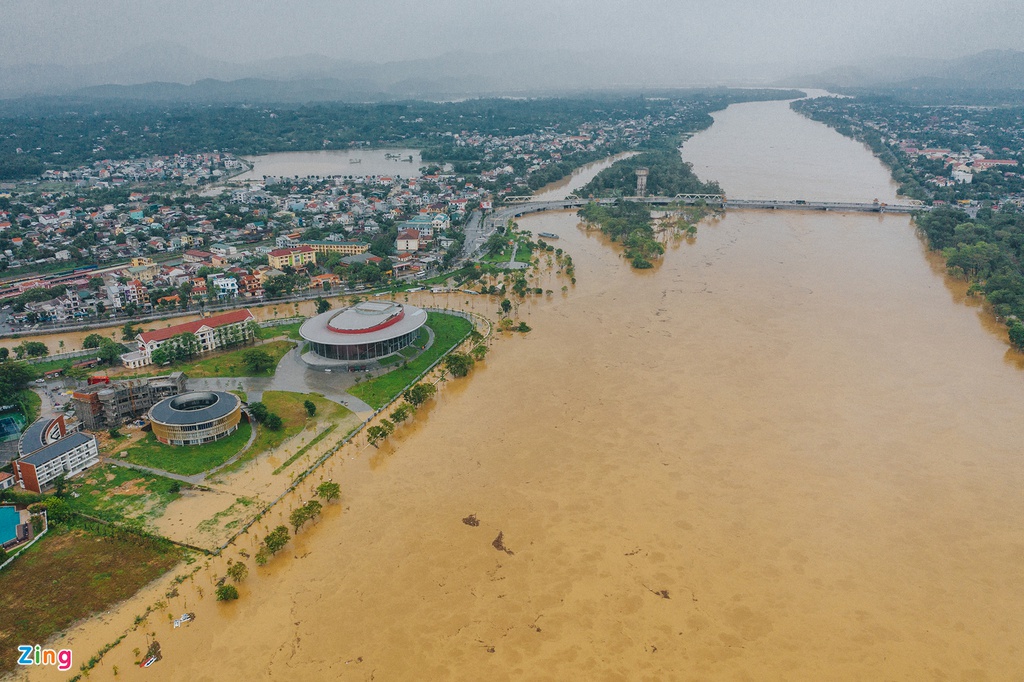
<point>795,32</point>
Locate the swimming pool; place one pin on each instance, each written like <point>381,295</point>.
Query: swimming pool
<point>9,521</point>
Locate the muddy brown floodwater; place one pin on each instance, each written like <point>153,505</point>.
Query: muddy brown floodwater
<point>788,453</point>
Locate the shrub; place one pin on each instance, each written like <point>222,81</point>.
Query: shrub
<point>227,593</point>
<point>328,490</point>
<point>238,571</point>
<point>277,539</point>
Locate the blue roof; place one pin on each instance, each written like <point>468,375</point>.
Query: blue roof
<point>32,438</point>
<point>55,450</point>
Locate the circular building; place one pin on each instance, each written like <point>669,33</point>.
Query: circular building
<point>365,331</point>
<point>195,418</point>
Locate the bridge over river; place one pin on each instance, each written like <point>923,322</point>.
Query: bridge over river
<point>516,206</point>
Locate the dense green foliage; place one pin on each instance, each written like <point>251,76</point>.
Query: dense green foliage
<point>14,376</point>
<point>69,134</point>
<point>883,124</point>
<point>668,176</point>
<point>227,593</point>
<point>629,223</point>
<point>989,252</point>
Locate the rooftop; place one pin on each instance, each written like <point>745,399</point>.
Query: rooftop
<point>55,450</point>
<point>366,322</point>
<point>212,322</point>
<point>194,408</point>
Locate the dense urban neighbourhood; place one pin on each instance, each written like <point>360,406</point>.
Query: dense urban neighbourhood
<point>964,161</point>
<point>183,247</point>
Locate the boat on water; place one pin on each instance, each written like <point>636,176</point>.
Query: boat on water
<point>547,235</point>
<point>355,160</point>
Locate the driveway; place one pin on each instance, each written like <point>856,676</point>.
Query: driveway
<point>295,376</point>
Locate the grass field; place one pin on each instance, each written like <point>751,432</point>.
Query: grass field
<point>117,493</point>
<point>231,364</point>
<point>289,330</point>
<point>289,406</point>
<point>187,459</point>
<point>456,275</point>
<point>66,576</point>
<point>448,331</point>
<point>222,364</point>
<point>503,257</point>
<point>523,255</point>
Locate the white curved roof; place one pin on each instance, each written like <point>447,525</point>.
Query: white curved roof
<point>367,322</point>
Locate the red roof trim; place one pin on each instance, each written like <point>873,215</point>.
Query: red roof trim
<point>215,321</point>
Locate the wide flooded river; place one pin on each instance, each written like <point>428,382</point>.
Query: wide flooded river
<point>786,453</point>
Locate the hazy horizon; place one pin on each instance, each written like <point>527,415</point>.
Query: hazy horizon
<point>795,34</point>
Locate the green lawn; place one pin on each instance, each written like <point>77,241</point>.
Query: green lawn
<point>117,493</point>
<point>305,448</point>
<point>523,255</point>
<point>290,330</point>
<point>68,575</point>
<point>455,275</point>
<point>503,257</point>
<point>227,364</point>
<point>188,459</point>
<point>289,406</point>
<point>449,330</point>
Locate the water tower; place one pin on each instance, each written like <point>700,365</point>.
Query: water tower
<point>641,182</point>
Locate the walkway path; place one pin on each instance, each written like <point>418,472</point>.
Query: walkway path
<point>194,479</point>
<point>294,376</point>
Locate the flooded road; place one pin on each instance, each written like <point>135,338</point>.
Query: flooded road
<point>786,453</point>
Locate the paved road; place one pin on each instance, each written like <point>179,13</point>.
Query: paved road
<point>295,376</point>
<point>476,235</point>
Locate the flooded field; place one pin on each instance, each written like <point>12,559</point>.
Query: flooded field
<point>405,163</point>
<point>789,452</point>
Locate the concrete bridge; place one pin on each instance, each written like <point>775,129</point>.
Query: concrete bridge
<point>521,205</point>
<point>528,204</point>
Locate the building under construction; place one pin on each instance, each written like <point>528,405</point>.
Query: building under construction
<point>107,406</point>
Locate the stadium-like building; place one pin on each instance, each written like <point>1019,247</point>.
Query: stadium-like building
<point>195,418</point>
<point>365,331</point>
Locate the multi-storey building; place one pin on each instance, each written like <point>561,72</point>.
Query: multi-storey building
<point>106,406</point>
<point>50,448</point>
<point>211,332</point>
<point>344,248</point>
<point>294,256</point>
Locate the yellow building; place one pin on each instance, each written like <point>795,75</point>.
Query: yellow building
<point>195,418</point>
<point>344,248</point>
<point>295,256</point>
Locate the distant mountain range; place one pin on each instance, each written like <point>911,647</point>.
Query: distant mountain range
<point>989,70</point>
<point>172,73</point>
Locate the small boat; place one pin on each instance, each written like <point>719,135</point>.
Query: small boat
<point>547,235</point>
<point>355,160</point>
